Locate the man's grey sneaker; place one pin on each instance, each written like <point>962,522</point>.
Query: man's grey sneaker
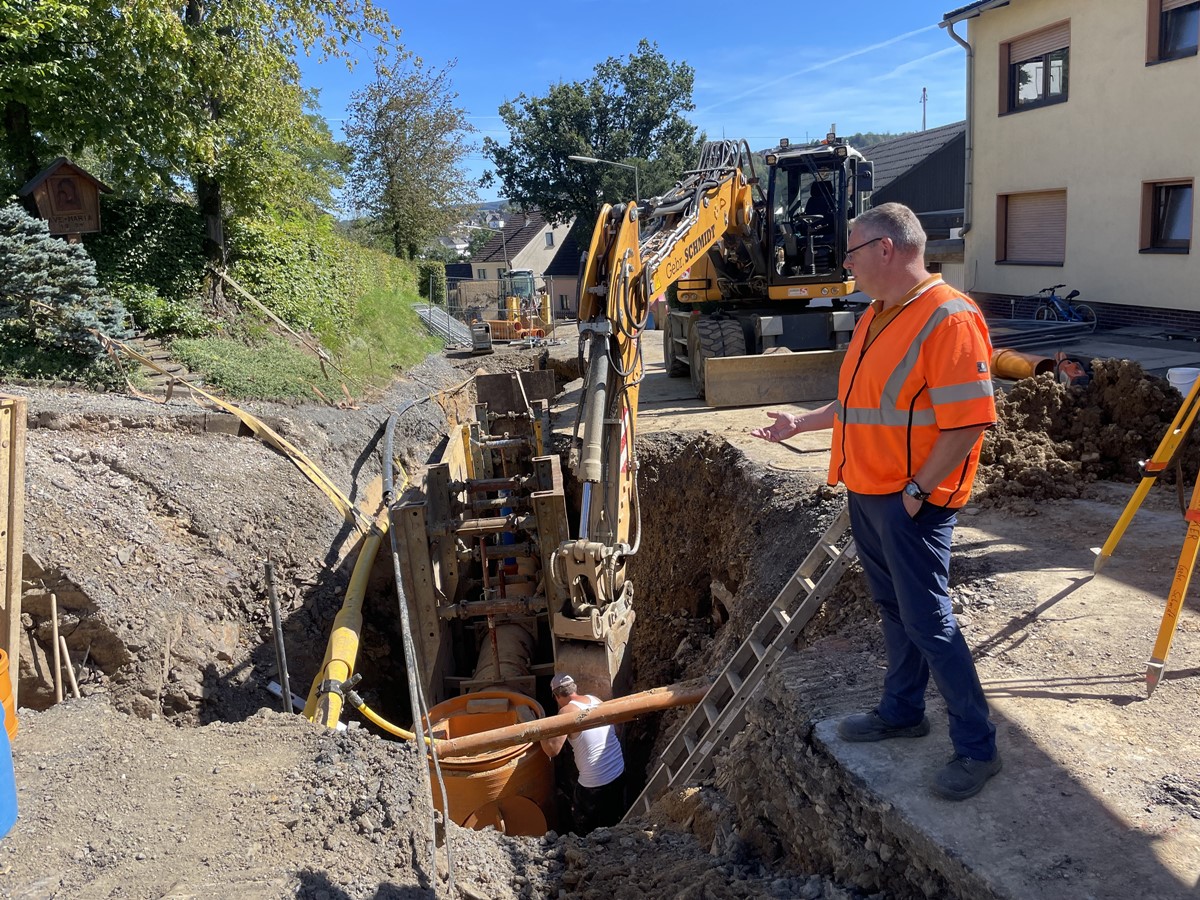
<point>964,777</point>
<point>871,727</point>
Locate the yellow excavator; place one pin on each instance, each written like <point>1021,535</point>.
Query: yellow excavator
<point>747,263</point>
<point>776,287</point>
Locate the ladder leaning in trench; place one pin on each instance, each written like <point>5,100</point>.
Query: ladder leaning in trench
<point>722,713</point>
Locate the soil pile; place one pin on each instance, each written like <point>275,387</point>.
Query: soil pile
<point>1052,440</point>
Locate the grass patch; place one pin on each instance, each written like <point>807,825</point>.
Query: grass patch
<point>385,337</point>
<point>267,370</point>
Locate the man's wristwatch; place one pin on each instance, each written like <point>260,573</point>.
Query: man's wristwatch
<point>914,490</point>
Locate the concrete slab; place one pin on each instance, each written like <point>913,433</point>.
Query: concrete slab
<point>1030,834</point>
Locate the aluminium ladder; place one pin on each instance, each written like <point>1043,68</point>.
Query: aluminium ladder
<point>722,713</point>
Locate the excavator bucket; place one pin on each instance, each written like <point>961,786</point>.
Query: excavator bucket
<point>772,378</point>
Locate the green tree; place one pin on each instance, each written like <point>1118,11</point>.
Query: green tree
<point>631,111</point>
<point>200,91</point>
<point>49,297</point>
<point>409,139</point>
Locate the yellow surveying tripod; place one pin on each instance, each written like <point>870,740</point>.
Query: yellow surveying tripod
<point>1171,443</point>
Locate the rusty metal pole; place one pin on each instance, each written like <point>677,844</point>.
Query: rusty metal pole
<point>609,712</point>
<point>277,628</point>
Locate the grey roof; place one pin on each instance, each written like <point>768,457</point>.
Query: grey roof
<point>566,260</point>
<point>899,155</point>
<point>519,230</point>
<point>971,10</point>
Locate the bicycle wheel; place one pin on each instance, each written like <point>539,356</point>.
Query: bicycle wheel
<point>1086,314</point>
<point>1045,313</point>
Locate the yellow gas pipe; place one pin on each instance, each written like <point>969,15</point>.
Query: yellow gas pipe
<point>325,698</point>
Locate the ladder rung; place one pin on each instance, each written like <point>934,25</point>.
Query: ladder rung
<point>711,712</point>
<point>831,549</point>
<point>781,617</point>
<point>690,743</point>
<point>809,584</point>
<point>759,650</point>
<point>735,680</point>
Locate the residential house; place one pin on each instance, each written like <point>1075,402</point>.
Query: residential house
<point>1081,154</point>
<point>524,241</point>
<point>562,278</point>
<point>924,171</point>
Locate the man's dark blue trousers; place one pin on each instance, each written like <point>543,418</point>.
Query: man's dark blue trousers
<point>907,562</point>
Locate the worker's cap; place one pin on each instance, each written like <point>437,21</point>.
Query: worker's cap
<point>562,684</point>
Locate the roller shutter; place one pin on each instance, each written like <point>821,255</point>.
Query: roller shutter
<point>1041,42</point>
<point>1037,227</point>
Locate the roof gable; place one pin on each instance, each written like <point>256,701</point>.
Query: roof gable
<point>519,230</point>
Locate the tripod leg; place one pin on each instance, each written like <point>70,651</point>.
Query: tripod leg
<point>1167,447</point>
<point>1179,589</point>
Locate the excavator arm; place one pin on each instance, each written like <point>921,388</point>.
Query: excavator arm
<point>636,252</point>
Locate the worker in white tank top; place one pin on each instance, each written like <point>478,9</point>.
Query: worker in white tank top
<point>599,796</point>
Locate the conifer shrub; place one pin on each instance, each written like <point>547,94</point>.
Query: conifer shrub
<point>51,306</point>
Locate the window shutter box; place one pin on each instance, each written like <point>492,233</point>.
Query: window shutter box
<point>1037,227</point>
<point>1041,42</point>
<point>1168,5</point>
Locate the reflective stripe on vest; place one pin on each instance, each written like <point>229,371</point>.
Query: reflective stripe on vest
<point>888,412</point>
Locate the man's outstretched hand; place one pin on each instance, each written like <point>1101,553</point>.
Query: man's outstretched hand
<point>784,426</point>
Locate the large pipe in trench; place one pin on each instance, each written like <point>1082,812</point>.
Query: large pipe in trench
<point>610,712</point>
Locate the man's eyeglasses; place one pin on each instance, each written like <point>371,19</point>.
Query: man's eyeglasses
<point>853,250</point>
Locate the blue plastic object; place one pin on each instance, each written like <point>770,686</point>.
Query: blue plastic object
<point>8,782</point>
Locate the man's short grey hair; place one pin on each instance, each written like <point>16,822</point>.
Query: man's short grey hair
<point>895,221</point>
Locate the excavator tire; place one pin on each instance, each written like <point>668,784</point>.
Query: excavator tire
<point>676,367</point>
<point>710,338</point>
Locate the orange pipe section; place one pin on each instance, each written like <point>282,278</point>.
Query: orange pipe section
<point>610,712</point>
<point>1016,365</point>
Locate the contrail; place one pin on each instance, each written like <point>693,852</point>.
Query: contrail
<point>824,64</point>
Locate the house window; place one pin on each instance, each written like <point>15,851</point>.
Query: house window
<point>549,238</point>
<point>1031,229</point>
<point>482,275</point>
<point>1173,30</point>
<point>1167,216</point>
<point>562,302</point>
<point>1036,68</point>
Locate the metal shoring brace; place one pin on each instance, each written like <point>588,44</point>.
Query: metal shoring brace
<point>1180,428</point>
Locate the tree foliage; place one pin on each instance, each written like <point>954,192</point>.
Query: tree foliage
<point>161,93</point>
<point>630,111</point>
<point>409,139</point>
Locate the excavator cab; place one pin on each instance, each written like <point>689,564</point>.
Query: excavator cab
<point>812,195</point>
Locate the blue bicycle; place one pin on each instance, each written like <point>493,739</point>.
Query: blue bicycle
<point>1054,308</point>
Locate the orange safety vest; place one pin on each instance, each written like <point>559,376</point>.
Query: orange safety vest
<point>927,371</point>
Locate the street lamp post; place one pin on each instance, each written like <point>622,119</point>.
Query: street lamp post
<point>503,239</point>
<point>637,190</point>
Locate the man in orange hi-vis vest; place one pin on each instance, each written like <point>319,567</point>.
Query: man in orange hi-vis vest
<point>914,399</point>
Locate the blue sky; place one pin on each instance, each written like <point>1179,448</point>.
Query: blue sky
<point>789,72</point>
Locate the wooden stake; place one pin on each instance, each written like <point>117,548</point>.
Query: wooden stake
<point>70,670</point>
<point>58,693</point>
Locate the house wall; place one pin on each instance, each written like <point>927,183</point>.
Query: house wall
<point>1124,123</point>
<point>535,255</point>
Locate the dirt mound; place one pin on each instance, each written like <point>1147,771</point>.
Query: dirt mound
<point>1051,440</point>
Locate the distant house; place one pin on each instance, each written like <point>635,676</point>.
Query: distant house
<point>562,278</point>
<point>525,241</point>
<point>1082,155</point>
